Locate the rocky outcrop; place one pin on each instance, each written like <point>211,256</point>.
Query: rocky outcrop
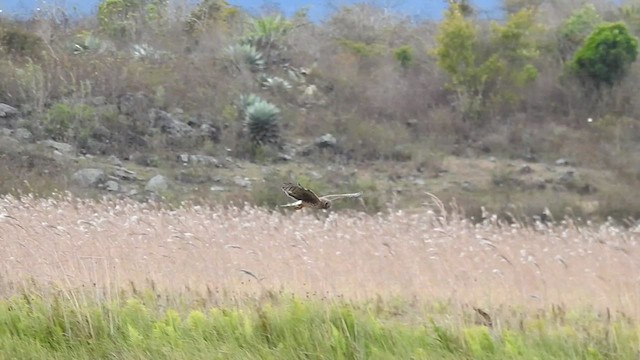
<point>157,184</point>
<point>88,177</point>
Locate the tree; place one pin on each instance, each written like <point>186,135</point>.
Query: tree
<point>575,29</point>
<point>606,54</point>
<point>123,19</point>
<point>456,55</point>
<point>487,72</point>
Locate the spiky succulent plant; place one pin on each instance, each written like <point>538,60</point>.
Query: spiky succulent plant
<point>262,122</point>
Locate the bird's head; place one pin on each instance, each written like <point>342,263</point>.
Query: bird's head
<point>325,204</point>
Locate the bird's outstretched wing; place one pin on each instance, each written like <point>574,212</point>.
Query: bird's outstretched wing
<point>298,192</point>
<point>340,196</point>
<point>293,204</point>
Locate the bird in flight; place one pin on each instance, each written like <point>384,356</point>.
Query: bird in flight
<point>307,198</point>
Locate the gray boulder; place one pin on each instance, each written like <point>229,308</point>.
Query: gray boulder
<point>157,183</point>
<point>326,141</point>
<point>88,177</point>
<point>198,160</point>
<point>112,186</point>
<point>59,146</point>
<point>243,182</point>
<point>168,124</point>
<point>22,135</point>
<point>8,111</point>
<point>125,174</point>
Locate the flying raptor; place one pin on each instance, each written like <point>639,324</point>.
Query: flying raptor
<point>307,198</point>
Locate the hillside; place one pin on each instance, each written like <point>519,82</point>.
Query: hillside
<point>213,105</point>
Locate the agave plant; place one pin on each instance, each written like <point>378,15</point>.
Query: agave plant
<point>247,100</point>
<point>275,83</point>
<point>245,54</point>
<point>268,30</point>
<point>262,122</point>
<point>86,42</point>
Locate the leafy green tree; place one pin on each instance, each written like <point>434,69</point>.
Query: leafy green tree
<point>606,54</point>
<point>516,47</point>
<point>455,53</point>
<point>483,73</point>
<point>576,28</point>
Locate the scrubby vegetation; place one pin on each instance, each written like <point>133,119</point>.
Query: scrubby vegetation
<point>404,102</point>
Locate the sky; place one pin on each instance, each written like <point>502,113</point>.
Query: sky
<point>317,9</point>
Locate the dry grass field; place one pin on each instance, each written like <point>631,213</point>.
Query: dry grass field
<point>116,279</point>
<point>426,254</point>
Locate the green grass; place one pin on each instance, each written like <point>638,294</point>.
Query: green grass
<point>286,327</point>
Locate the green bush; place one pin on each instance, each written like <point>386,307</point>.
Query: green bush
<point>63,122</point>
<point>262,122</point>
<point>404,55</point>
<point>606,54</point>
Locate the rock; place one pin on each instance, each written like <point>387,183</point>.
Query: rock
<point>6,132</point>
<point>525,170</point>
<point>22,135</point>
<point>157,183</point>
<point>326,141</point>
<point>204,160</point>
<point>101,133</point>
<point>217,189</point>
<point>98,101</point>
<point>567,177</point>
<point>125,174</point>
<point>492,159</point>
<point>243,182</point>
<point>198,160</point>
<point>563,162</point>
<point>412,123</point>
<point>61,147</point>
<point>8,111</point>
<point>88,177</point>
<point>114,160</point>
<point>168,124</point>
<point>467,186</point>
<point>130,103</point>
<point>112,185</point>
<point>210,132</point>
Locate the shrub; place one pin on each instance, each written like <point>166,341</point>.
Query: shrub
<point>576,28</point>
<point>123,19</point>
<point>404,55</point>
<point>605,56</point>
<point>63,122</point>
<point>207,11</point>
<point>19,42</point>
<point>262,122</point>
<point>244,54</point>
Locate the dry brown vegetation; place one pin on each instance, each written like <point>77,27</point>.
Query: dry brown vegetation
<point>427,254</point>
